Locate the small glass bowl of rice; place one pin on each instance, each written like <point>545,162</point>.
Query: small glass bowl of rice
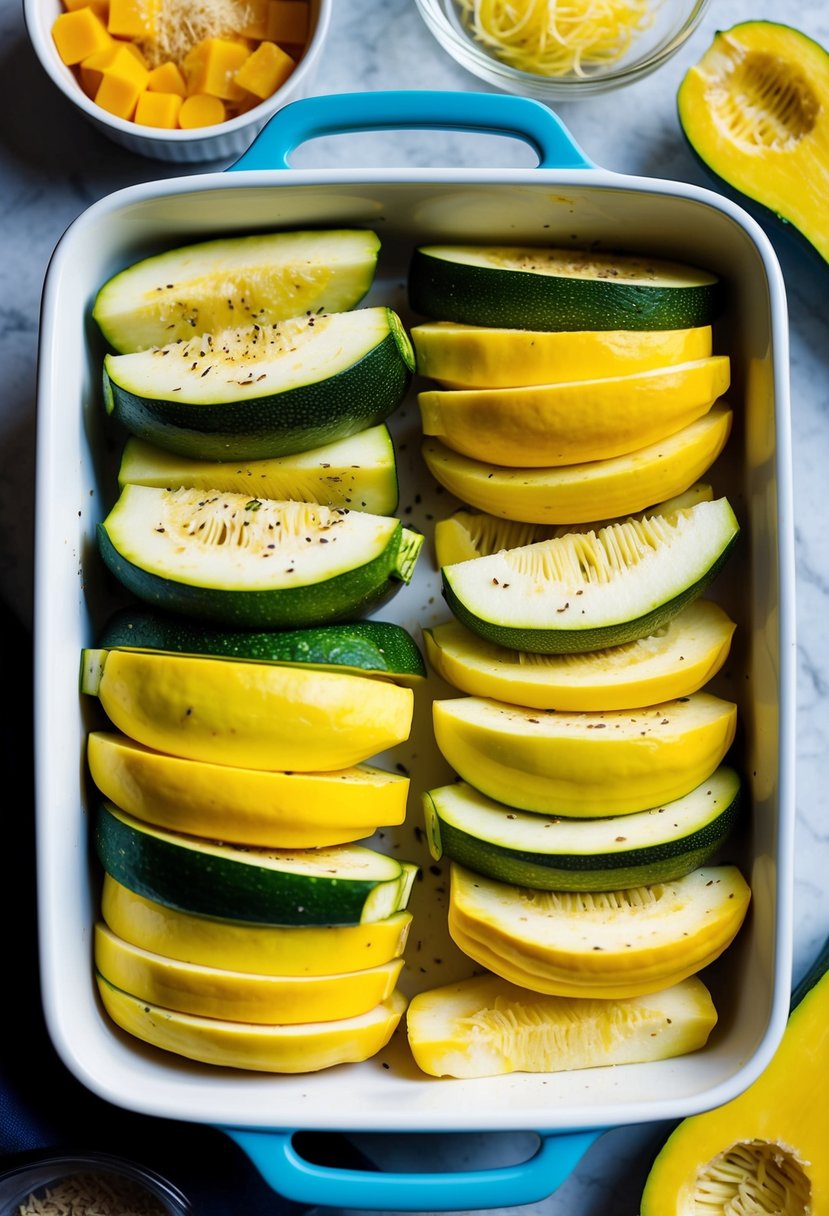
<point>88,1184</point>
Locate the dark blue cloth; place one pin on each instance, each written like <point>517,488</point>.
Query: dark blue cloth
<point>42,1106</point>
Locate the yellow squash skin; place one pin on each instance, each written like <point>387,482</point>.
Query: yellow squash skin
<point>240,996</point>
<point>674,663</point>
<point>307,1047</point>
<point>486,1026</point>
<point>236,946</point>
<point>245,805</point>
<point>476,356</point>
<point>755,109</point>
<point>777,1129</point>
<point>582,493</point>
<point>584,764</point>
<point>254,715</point>
<point>605,944</point>
<point>565,424</point>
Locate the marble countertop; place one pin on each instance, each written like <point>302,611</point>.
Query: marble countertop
<point>53,165</point>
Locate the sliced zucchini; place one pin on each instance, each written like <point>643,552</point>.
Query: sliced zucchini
<point>254,563</point>
<point>467,534</point>
<point>366,648</point>
<point>555,854</point>
<point>599,944</point>
<point>245,805</point>
<point>675,661</point>
<point>240,996</point>
<point>249,715</point>
<point>550,425</point>
<point>487,1027</point>
<point>358,472</point>
<point>559,289</point>
<point>308,1047</point>
<point>346,885</point>
<point>583,765</point>
<point>580,493</point>
<point>213,285</point>
<point>478,356</point>
<point>265,390</point>
<point>587,591</point>
<point>236,946</point>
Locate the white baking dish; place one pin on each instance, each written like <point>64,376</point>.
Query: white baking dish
<point>75,485</point>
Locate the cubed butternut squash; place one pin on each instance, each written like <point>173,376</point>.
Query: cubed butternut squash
<point>167,78</point>
<point>80,34</point>
<point>212,65</point>
<point>201,110</point>
<point>132,18</point>
<point>158,109</point>
<point>265,69</point>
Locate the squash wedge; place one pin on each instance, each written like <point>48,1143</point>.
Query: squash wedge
<point>245,805</point>
<point>240,996</point>
<point>767,1147</point>
<point>600,944</point>
<point>677,660</point>
<point>236,946</point>
<point>547,426</point>
<point>584,764</point>
<point>307,1047</point>
<point>580,493</point>
<point>252,715</point>
<point>755,110</point>
<point>486,1027</point>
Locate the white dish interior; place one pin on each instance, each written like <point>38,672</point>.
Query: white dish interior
<point>77,458</point>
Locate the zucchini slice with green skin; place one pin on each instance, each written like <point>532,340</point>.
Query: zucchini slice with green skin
<point>266,390</point>
<point>254,563</point>
<point>212,285</point>
<point>365,648</point>
<point>557,854</point>
<point>344,885</point>
<point>677,660</point>
<point>306,1047</point>
<point>586,591</point>
<point>359,472</point>
<point>525,287</point>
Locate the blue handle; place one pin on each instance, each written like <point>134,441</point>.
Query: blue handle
<point>290,1175</point>
<point>484,113</point>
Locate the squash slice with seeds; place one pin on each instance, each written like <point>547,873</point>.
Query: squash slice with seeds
<point>598,944</point>
<point>486,1027</point>
<point>251,562</point>
<point>265,390</point>
<point>585,591</point>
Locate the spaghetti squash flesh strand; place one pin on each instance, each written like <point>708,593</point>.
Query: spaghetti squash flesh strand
<point>557,37</point>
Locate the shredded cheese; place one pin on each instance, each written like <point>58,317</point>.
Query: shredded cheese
<point>557,37</point>
<point>179,25</point>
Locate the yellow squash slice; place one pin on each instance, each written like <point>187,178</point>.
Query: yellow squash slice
<point>580,493</point>
<point>599,944</point>
<point>240,996</point>
<point>307,1047</point>
<point>486,1027</point>
<point>478,356</point>
<point>235,946</point>
<point>255,715</point>
<point>584,764</point>
<point>674,662</point>
<point>245,805</point>
<point>547,426</point>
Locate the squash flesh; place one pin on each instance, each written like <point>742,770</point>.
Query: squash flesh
<point>783,1114</point>
<point>754,110</point>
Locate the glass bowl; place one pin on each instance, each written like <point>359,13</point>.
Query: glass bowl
<point>78,1177</point>
<point>673,21</point>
